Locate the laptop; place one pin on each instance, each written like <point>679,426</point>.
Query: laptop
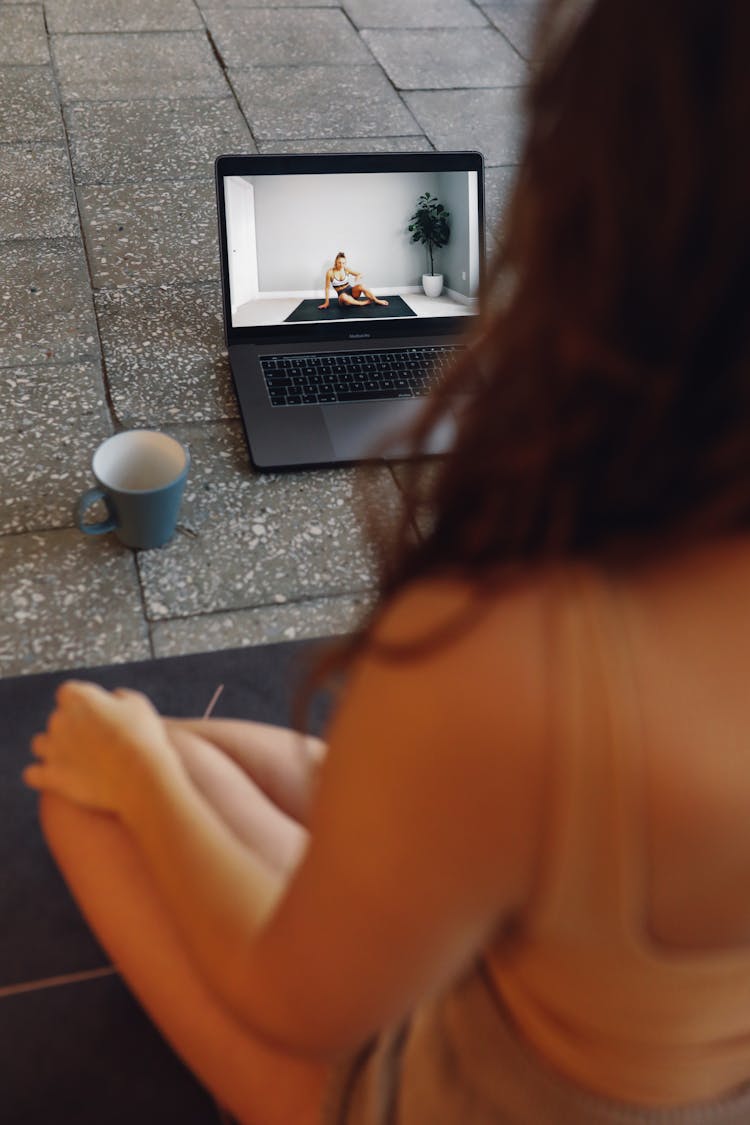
<point>332,340</point>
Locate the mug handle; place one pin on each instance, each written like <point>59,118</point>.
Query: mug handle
<point>85,502</point>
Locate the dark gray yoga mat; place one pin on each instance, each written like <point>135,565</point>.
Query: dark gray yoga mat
<point>84,1052</point>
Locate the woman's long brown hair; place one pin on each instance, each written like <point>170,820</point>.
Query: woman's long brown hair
<point>608,376</point>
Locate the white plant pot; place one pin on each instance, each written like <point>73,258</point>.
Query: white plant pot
<point>432,283</point>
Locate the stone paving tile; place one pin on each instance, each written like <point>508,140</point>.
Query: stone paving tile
<point>46,312</point>
<point>53,419</point>
<point>70,601</point>
<point>138,65</point>
<point>112,15</point>
<point>498,183</point>
<point>305,620</point>
<point>23,37</point>
<point>285,37</point>
<point>37,193</point>
<point>417,60</point>
<point>516,19</point>
<point>425,13</point>
<point>228,5</point>
<point>138,141</point>
<point>488,120</point>
<point>30,111</point>
<point>252,537</point>
<point>150,234</point>
<point>349,144</point>
<point>290,103</point>
<point>165,355</point>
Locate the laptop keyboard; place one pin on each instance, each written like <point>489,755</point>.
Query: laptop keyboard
<point>294,380</point>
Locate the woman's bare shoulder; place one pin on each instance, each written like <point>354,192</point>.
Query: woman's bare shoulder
<point>469,613</point>
<point>478,651</point>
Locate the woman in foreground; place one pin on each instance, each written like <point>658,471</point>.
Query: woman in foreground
<point>513,889</point>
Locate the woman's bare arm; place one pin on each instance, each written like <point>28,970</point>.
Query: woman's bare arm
<point>422,840</point>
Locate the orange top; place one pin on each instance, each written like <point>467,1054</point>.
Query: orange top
<point>602,1001</point>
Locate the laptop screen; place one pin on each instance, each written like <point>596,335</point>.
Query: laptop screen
<point>331,242</point>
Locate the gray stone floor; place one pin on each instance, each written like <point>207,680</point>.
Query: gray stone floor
<point>111,117</point>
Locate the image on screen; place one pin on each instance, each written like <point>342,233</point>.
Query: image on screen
<point>291,237</point>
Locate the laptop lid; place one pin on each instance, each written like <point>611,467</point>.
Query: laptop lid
<point>284,219</point>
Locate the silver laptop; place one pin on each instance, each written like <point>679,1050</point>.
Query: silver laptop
<point>333,341</point>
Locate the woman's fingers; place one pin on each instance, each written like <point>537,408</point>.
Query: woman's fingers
<point>39,746</point>
<point>40,776</point>
<point>73,691</point>
<point>33,776</point>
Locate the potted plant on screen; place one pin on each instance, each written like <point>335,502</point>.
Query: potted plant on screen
<point>430,225</point>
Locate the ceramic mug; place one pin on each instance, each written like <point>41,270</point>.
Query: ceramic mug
<point>140,475</point>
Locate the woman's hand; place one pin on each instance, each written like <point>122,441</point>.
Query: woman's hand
<point>324,305</point>
<point>100,747</point>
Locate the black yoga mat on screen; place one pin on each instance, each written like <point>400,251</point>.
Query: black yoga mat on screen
<point>309,310</point>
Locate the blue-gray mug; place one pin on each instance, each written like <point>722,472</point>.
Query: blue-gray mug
<point>140,475</point>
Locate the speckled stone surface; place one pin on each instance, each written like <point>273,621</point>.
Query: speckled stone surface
<point>488,120</point>
<point>424,13</point>
<point>46,312</point>
<point>53,419</point>
<point>349,144</point>
<point>516,19</point>
<point>317,101</point>
<point>29,105</point>
<point>139,141</point>
<point>223,5</point>
<point>112,15</point>
<point>164,354</point>
<point>138,65</point>
<point>285,37</point>
<point>286,621</point>
<point>498,183</point>
<point>251,538</point>
<point>439,60</point>
<point>27,211</point>
<point>150,234</point>
<point>68,600</point>
<point>23,38</point>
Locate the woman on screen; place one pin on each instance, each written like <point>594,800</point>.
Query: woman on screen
<point>345,283</point>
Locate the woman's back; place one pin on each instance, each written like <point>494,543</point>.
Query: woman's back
<point>631,970</point>
<point>692,653</point>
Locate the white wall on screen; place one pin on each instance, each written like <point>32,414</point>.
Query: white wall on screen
<point>243,265</point>
<point>302,221</point>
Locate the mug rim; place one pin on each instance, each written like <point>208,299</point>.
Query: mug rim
<point>118,438</point>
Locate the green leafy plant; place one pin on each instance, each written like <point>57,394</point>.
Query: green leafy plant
<point>430,225</point>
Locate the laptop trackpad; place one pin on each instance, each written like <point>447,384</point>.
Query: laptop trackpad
<point>359,430</point>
